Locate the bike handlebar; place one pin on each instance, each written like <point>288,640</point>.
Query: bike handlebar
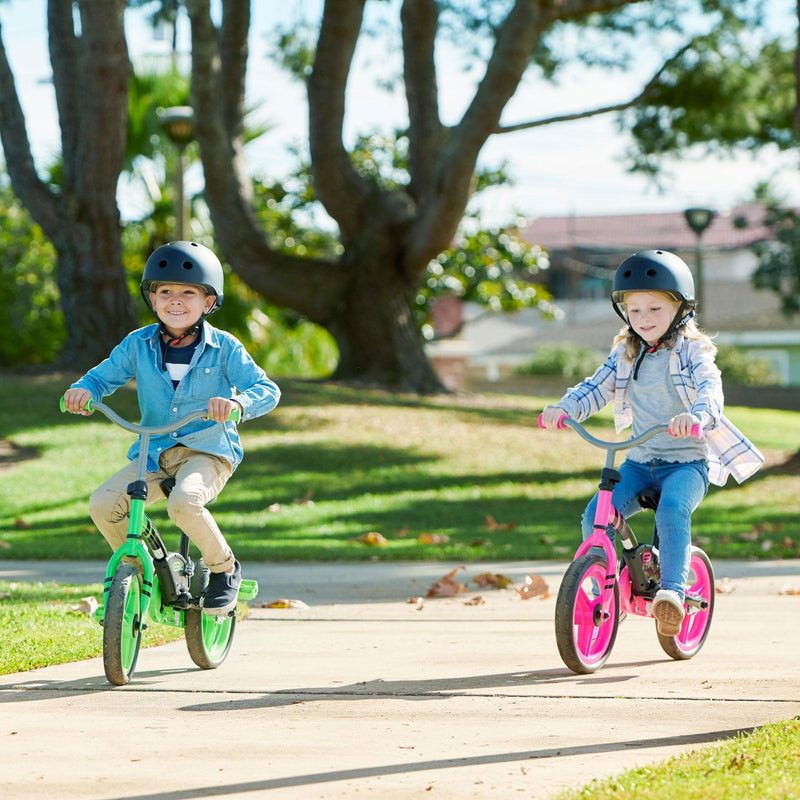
<point>567,422</point>
<point>95,405</point>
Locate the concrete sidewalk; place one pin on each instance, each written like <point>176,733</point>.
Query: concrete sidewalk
<point>363,694</point>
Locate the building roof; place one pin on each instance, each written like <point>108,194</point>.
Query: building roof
<point>729,230</point>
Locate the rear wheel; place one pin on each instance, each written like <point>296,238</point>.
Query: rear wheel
<point>586,626</point>
<point>122,625</point>
<point>697,620</point>
<point>208,638</point>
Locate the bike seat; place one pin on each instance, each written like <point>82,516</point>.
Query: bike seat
<point>649,498</point>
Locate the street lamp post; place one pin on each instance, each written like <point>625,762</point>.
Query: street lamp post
<point>698,220</point>
<point>178,124</point>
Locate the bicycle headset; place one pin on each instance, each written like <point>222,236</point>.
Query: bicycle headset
<point>654,271</point>
<point>183,262</point>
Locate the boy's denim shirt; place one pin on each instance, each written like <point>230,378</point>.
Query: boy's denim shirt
<point>220,367</point>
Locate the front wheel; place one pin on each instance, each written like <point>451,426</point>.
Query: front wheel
<point>122,625</point>
<point>697,621</point>
<point>208,637</point>
<point>586,628</point>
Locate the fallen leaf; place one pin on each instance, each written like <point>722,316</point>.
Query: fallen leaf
<point>447,586</point>
<point>373,539</point>
<point>403,532</point>
<point>481,543</point>
<point>749,536</point>
<point>789,543</point>
<point>475,601</point>
<point>4,545</point>
<point>20,524</point>
<point>88,606</point>
<point>725,586</point>
<point>419,602</point>
<point>275,508</point>
<point>282,603</point>
<point>766,545</point>
<point>492,525</point>
<point>790,590</point>
<point>493,579</point>
<point>433,538</point>
<point>305,500</point>
<point>535,586</point>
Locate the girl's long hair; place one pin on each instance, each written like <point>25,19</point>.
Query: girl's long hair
<point>689,330</point>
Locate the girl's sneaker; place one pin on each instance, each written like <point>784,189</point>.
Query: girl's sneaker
<point>668,611</point>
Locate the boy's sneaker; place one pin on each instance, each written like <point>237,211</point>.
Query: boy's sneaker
<point>668,611</point>
<point>222,591</point>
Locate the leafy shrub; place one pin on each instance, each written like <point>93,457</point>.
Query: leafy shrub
<point>563,360</point>
<point>31,322</point>
<point>737,366</point>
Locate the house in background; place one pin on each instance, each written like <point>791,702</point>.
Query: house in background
<point>584,253</point>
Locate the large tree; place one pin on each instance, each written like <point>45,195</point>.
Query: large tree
<point>91,69</point>
<point>388,234</point>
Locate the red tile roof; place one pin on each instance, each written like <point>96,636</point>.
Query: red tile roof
<point>730,230</point>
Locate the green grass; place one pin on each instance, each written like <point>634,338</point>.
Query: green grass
<point>368,461</point>
<point>41,624</point>
<point>331,464</point>
<point>762,764</point>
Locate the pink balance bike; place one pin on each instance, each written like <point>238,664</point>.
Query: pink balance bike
<point>599,588</point>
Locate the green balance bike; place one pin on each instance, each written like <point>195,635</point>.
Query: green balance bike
<point>169,587</point>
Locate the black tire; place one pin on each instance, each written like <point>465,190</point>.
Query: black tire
<point>696,624</point>
<point>122,625</point>
<point>584,634</point>
<point>208,637</point>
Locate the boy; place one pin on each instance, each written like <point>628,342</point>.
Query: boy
<point>180,364</point>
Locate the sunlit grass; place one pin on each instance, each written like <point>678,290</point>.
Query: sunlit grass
<point>332,463</point>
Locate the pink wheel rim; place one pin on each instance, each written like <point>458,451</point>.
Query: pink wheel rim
<point>592,640</point>
<point>695,624</point>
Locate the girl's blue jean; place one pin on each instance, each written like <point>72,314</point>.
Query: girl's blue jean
<point>682,487</point>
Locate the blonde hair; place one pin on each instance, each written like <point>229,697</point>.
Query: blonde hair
<point>689,330</point>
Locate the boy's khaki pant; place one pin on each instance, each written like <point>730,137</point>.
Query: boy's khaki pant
<point>199,478</point>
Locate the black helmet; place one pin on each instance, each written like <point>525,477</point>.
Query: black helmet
<point>183,262</point>
<point>654,271</point>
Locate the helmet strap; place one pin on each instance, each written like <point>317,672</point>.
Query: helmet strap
<point>173,340</point>
<point>680,319</point>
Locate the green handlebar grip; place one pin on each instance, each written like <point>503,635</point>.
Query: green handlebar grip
<point>63,406</point>
<point>236,415</point>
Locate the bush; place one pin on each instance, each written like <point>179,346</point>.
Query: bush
<point>563,360</point>
<point>737,366</point>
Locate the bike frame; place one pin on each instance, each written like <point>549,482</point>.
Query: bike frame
<point>140,527</point>
<point>607,516</point>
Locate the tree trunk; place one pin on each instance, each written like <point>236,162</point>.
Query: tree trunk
<point>374,327</point>
<point>90,76</point>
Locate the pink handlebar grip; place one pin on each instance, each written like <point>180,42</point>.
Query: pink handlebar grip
<point>696,430</point>
<point>561,425</point>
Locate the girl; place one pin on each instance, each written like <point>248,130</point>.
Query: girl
<point>661,370</point>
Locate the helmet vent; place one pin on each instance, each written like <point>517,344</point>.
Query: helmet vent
<point>162,263</point>
<point>651,273</point>
<point>627,273</point>
<point>187,265</point>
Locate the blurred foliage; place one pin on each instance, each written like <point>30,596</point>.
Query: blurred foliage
<point>779,257</point>
<point>31,323</point>
<point>737,366</point>
<point>493,268</point>
<point>566,360</point>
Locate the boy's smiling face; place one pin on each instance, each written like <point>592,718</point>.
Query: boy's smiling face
<point>649,314</point>
<point>180,306</point>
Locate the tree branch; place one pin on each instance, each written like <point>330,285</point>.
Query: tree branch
<point>339,187</point>
<point>310,286</point>
<point>34,193</point>
<point>420,19</point>
<point>642,96</point>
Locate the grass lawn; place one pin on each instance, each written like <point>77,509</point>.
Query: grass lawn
<point>332,464</point>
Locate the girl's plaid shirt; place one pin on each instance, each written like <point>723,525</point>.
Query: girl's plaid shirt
<point>697,381</point>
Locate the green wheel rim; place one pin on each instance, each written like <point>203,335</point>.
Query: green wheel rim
<point>131,625</point>
<point>216,635</point>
